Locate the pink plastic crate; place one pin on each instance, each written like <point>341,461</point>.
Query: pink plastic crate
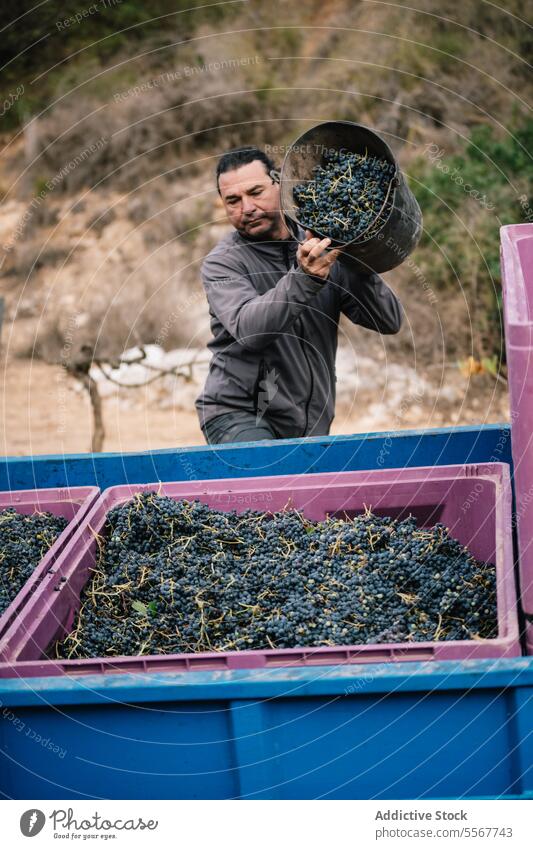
<point>517,276</point>
<point>72,504</point>
<point>529,639</point>
<point>474,501</point>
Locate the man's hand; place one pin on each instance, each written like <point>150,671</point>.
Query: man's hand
<point>313,258</point>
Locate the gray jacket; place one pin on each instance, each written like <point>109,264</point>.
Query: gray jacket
<point>275,332</point>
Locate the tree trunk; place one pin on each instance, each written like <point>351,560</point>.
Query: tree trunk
<point>98,434</point>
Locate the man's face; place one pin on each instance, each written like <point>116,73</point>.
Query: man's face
<point>251,200</point>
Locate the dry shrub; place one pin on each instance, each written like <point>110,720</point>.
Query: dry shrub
<point>137,136</point>
<point>168,213</point>
<point>29,255</point>
<point>155,304</point>
<point>99,220</point>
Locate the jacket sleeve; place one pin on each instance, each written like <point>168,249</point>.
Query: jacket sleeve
<point>254,320</point>
<point>367,300</point>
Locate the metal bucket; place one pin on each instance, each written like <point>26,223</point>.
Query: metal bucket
<point>400,231</point>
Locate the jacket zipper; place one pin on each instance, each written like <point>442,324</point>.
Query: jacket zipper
<point>302,341</point>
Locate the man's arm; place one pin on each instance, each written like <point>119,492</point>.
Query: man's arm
<point>368,301</point>
<point>255,321</point>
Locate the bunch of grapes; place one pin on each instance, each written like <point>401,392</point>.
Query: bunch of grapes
<point>180,576</point>
<point>24,540</point>
<point>349,198</point>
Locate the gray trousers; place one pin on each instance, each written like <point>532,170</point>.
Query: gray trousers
<point>237,426</point>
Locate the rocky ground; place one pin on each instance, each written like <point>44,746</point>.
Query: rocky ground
<point>44,411</point>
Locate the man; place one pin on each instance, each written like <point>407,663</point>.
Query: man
<point>275,303</point>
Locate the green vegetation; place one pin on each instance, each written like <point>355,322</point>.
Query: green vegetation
<point>88,32</point>
<point>465,198</point>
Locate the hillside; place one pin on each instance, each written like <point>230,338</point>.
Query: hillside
<point>111,125</point>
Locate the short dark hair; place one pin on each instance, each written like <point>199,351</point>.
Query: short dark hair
<point>242,156</point>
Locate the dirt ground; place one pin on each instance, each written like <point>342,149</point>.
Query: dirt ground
<point>44,412</point>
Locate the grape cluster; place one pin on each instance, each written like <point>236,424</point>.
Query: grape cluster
<point>180,576</point>
<point>349,196</point>
<point>24,540</point>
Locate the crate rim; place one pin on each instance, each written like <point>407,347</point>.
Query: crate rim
<point>409,676</point>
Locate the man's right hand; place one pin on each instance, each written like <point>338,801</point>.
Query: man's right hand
<point>313,258</point>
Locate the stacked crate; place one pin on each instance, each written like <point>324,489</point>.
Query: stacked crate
<point>72,504</point>
<point>517,277</point>
<point>474,502</point>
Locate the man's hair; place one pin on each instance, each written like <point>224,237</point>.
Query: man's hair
<point>242,156</point>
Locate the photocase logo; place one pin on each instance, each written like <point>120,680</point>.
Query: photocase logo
<point>268,389</point>
<point>32,822</point>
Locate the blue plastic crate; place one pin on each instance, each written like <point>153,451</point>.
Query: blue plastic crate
<point>384,731</point>
<point>389,450</point>
<point>391,730</point>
